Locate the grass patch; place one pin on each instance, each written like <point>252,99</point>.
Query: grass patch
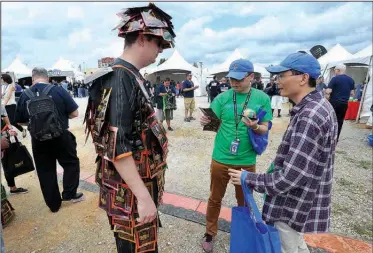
<point>351,160</point>
<point>367,165</point>
<point>344,182</point>
<point>364,230</point>
<point>338,209</point>
<point>341,152</point>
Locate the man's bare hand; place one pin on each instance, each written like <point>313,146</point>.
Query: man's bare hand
<point>4,143</point>
<point>12,132</point>
<point>205,120</point>
<point>147,211</point>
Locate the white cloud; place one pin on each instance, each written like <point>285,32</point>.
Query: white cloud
<point>111,49</point>
<point>80,37</point>
<point>75,12</point>
<point>206,31</point>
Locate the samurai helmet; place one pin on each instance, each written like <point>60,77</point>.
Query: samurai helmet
<point>147,20</point>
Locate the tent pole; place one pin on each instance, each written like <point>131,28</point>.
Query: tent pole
<point>364,91</point>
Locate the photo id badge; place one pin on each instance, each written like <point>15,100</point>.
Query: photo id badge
<point>234,147</point>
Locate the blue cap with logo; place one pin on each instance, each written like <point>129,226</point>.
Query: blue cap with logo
<point>239,69</point>
<point>301,62</point>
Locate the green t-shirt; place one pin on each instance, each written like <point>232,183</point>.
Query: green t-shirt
<point>224,108</point>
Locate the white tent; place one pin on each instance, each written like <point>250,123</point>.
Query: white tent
<point>66,65</point>
<point>336,53</point>
<point>360,69</point>
<point>368,51</point>
<point>176,68</point>
<point>20,70</point>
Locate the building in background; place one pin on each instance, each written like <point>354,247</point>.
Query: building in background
<point>105,62</point>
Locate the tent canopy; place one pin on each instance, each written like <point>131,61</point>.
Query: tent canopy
<point>176,68</point>
<point>66,65</point>
<point>336,53</point>
<point>368,51</point>
<point>20,70</point>
<point>175,62</point>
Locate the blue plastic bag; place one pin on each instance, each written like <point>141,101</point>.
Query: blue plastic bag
<point>259,142</point>
<point>249,233</point>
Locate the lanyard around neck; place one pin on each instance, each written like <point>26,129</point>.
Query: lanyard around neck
<point>237,118</point>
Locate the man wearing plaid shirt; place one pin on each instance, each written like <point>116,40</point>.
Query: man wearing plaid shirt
<point>298,191</point>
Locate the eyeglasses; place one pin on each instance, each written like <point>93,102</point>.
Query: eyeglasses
<point>281,77</point>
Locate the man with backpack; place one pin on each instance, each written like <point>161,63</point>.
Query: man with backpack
<point>47,110</point>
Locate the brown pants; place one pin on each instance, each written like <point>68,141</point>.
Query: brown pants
<point>218,186</point>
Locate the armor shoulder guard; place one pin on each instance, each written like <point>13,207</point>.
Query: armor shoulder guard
<point>98,74</point>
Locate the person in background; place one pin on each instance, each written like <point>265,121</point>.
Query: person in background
<point>18,87</point>
<point>75,89</point>
<point>189,101</point>
<point>64,146</point>
<point>298,186</point>
<point>276,100</point>
<point>320,85</point>
<point>257,83</point>
<point>224,85</point>
<point>9,101</point>
<point>178,88</point>
<point>64,85</point>
<point>359,91</point>
<point>341,87</point>
<point>232,147</point>
<point>214,89</point>
<point>167,95</point>
<point>7,128</point>
<point>80,89</point>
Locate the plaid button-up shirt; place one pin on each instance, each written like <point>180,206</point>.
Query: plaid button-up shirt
<point>299,189</point>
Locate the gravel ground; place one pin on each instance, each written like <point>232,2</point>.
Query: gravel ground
<point>75,229</point>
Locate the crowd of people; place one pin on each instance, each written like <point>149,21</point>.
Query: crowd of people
<point>125,120</point>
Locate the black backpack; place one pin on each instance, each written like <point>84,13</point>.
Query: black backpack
<point>45,123</point>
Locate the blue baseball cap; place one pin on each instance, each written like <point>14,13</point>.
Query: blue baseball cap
<point>239,69</point>
<point>301,62</point>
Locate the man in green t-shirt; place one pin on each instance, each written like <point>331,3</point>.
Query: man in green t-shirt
<point>232,148</point>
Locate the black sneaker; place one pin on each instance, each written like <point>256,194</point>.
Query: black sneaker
<point>207,244</point>
<point>192,118</point>
<point>187,119</point>
<point>170,129</point>
<point>19,190</point>
<point>77,198</point>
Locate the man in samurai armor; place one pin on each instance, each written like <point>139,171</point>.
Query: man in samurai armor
<point>130,142</point>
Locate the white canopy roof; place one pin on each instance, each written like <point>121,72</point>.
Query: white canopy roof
<point>20,70</point>
<point>66,65</point>
<point>336,53</point>
<point>176,61</point>
<point>368,51</point>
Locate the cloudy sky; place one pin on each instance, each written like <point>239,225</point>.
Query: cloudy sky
<point>40,33</point>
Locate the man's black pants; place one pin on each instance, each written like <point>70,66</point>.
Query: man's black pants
<point>340,110</point>
<point>62,149</point>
